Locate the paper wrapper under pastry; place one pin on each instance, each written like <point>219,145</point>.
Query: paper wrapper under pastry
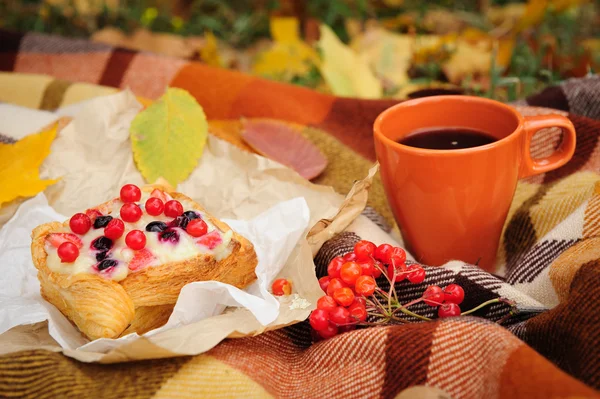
<point>102,308</point>
<point>149,318</point>
<point>229,182</point>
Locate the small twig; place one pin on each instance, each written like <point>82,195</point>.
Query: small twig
<point>408,312</point>
<point>386,276</point>
<point>374,314</point>
<point>389,298</point>
<point>491,301</point>
<point>413,302</point>
<point>393,282</point>
<point>380,306</point>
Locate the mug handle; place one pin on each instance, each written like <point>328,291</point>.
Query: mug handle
<point>532,124</point>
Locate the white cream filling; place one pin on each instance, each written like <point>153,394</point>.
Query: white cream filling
<point>163,252</point>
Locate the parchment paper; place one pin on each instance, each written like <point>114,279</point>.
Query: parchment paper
<point>92,156</point>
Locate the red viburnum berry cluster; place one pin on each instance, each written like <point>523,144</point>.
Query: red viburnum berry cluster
<point>352,294</point>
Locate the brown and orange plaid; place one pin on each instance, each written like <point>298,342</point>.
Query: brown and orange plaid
<point>549,261</point>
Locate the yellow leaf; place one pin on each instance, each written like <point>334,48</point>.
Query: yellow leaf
<point>507,15</point>
<point>19,165</point>
<point>473,35</point>
<point>390,54</point>
<point>468,59</point>
<point>346,72</point>
<point>288,56</point>
<point>285,30</point>
<point>209,53</point>
<point>399,21</point>
<point>506,47</point>
<point>564,5</point>
<point>533,15</point>
<point>169,136</point>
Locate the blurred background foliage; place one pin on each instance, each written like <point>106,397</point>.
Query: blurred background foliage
<point>365,48</point>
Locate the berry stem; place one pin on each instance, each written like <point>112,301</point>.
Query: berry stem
<point>374,314</point>
<point>384,273</point>
<point>408,312</point>
<point>413,302</point>
<point>490,302</point>
<point>379,306</point>
<point>389,297</point>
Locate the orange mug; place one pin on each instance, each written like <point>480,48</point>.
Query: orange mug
<point>451,204</point>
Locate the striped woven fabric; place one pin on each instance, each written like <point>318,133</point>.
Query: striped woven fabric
<point>549,257</point>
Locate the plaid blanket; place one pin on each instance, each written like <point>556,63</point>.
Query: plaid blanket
<point>549,256</point>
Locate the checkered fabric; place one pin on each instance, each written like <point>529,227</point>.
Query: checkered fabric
<point>549,256</point>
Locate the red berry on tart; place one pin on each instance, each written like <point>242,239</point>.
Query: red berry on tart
<point>131,212</point>
<point>80,223</point>
<point>154,206</point>
<point>146,245</point>
<point>130,193</point>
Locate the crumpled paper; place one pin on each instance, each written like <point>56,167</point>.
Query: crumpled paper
<point>21,302</point>
<point>92,157</point>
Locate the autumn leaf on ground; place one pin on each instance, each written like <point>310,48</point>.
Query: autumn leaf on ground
<point>209,53</point>
<point>169,136</point>
<point>564,5</point>
<point>289,56</point>
<point>536,9</point>
<point>346,72</point>
<point>390,54</point>
<point>507,16</point>
<point>533,15</point>
<point>468,60</point>
<point>20,163</point>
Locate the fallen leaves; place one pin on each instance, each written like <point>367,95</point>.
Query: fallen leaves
<point>19,165</point>
<point>169,136</point>
<point>533,15</point>
<point>387,53</point>
<point>209,53</point>
<point>288,57</point>
<point>280,141</point>
<point>391,55</point>
<point>507,15</point>
<point>461,48</point>
<point>468,60</point>
<point>346,72</point>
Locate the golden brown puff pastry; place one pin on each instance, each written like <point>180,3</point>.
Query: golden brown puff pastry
<point>110,288</point>
<point>148,318</point>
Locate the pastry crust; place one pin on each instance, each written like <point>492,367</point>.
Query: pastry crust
<point>100,308</point>
<point>148,318</point>
<point>103,308</point>
<point>160,285</point>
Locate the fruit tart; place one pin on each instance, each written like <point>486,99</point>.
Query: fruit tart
<point>119,267</point>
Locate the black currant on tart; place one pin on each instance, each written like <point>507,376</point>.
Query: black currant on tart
<point>119,267</point>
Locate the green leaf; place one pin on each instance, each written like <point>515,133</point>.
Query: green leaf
<point>168,137</point>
